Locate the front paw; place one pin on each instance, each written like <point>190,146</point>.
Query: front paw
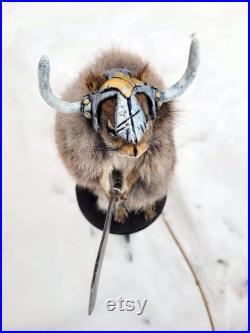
<point>121,214</point>
<point>149,213</point>
<point>122,196</point>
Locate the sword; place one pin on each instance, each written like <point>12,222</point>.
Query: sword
<point>115,181</point>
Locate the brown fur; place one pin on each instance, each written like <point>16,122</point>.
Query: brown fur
<point>83,150</point>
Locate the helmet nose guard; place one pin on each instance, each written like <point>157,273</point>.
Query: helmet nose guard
<point>130,120</point>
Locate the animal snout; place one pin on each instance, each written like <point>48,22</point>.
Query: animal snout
<point>134,150</point>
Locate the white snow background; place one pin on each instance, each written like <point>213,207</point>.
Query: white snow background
<point>49,248</point>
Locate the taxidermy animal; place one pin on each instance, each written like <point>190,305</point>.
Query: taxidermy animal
<point>118,115</point>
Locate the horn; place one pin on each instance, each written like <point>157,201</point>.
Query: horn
<point>47,94</point>
<point>181,86</point>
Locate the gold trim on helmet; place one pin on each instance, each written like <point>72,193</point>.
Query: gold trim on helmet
<point>123,83</point>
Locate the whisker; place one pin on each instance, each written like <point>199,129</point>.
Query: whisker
<point>159,136</point>
<point>95,149</point>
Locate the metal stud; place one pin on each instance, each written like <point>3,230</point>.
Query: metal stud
<point>87,114</point>
<point>158,94</point>
<point>86,101</point>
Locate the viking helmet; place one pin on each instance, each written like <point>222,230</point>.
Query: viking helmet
<point>130,120</point>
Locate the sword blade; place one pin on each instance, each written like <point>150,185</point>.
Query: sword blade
<point>100,254</point>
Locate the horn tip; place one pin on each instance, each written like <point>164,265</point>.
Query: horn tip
<point>194,39</point>
<point>44,61</point>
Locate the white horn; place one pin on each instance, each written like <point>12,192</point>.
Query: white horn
<point>47,94</point>
<point>181,86</point>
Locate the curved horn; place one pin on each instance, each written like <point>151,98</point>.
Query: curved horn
<point>47,94</point>
<point>193,63</point>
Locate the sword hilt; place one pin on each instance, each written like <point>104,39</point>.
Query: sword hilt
<point>115,180</point>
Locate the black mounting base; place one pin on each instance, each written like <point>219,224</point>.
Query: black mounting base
<point>135,221</point>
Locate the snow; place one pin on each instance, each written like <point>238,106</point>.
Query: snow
<point>49,249</point>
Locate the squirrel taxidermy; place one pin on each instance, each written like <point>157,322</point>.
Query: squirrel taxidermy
<point>118,115</point>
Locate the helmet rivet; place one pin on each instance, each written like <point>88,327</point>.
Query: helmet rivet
<point>158,94</point>
<point>87,115</point>
<point>86,101</point>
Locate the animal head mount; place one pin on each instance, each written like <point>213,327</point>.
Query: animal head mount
<point>130,120</point>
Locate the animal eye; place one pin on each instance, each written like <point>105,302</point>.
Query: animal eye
<point>111,131</point>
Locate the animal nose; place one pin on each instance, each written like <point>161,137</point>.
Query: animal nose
<point>134,150</point>
<point>130,150</point>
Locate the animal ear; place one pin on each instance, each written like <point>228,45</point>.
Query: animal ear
<point>143,73</point>
<point>94,81</point>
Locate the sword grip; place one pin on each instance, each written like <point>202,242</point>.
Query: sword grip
<point>115,180</point>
